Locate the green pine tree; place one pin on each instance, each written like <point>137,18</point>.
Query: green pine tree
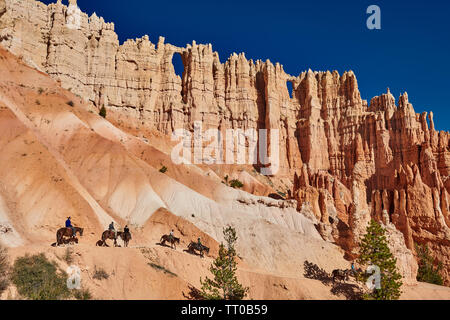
<point>224,285</point>
<point>102,112</point>
<point>427,271</point>
<point>374,250</point>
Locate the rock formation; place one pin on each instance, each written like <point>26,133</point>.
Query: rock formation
<point>345,160</point>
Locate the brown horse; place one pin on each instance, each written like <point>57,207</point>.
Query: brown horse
<point>196,246</point>
<point>173,241</point>
<point>67,232</point>
<point>126,237</point>
<point>108,234</point>
<point>341,275</point>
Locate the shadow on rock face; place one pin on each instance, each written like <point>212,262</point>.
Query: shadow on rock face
<point>193,294</point>
<point>313,271</point>
<point>348,290</point>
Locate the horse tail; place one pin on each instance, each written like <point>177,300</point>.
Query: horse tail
<point>58,237</point>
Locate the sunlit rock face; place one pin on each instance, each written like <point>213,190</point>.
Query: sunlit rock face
<point>343,159</point>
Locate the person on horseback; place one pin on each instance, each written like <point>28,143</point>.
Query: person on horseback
<point>171,236</point>
<point>126,230</point>
<point>69,225</point>
<point>111,228</point>
<point>353,269</point>
<point>199,243</point>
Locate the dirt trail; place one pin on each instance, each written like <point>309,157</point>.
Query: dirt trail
<point>156,272</point>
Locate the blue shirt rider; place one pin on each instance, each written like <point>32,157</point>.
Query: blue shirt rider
<point>69,225</point>
<point>111,228</point>
<point>353,268</point>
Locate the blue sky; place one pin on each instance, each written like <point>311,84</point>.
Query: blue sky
<point>410,53</point>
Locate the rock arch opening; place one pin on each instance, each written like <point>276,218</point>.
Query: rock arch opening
<point>178,65</point>
<point>290,88</point>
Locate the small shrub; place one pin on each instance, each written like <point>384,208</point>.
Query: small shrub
<point>283,194</point>
<point>37,278</point>
<point>40,90</point>
<point>236,183</point>
<point>100,274</point>
<point>82,294</point>
<point>102,112</point>
<point>161,268</point>
<point>163,169</point>
<point>38,102</point>
<point>70,103</point>
<point>4,269</point>
<point>269,181</point>
<point>68,256</point>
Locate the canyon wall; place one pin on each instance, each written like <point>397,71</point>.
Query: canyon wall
<point>345,160</point>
